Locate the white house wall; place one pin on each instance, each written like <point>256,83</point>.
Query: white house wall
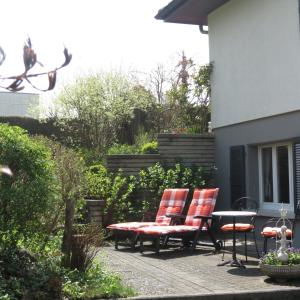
<point>17,104</point>
<point>255,48</point>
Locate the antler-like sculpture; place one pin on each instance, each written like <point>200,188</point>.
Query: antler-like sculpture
<point>30,59</point>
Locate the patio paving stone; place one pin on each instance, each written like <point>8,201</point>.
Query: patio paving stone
<point>177,274</point>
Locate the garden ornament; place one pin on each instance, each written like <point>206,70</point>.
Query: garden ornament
<point>282,251</point>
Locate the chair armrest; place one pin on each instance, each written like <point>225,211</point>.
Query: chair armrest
<point>203,217</point>
<point>180,216</point>
<point>176,218</point>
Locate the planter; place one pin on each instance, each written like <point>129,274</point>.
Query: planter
<point>281,273</point>
<point>94,210</point>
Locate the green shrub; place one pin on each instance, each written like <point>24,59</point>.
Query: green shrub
<point>96,282</point>
<point>28,197</point>
<point>157,178</point>
<point>150,148</point>
<point>122,149</point>
<point>24,276</point>
<point>115,189</point>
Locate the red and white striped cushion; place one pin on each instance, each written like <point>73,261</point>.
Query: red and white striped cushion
<point>238,227</point>
<point>164,230</point>
<point>172,201</point>
<point>203,203</point>
<point>131,225</point>
<point>274,231</point>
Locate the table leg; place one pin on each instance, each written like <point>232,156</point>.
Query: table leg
<point>234,262</point>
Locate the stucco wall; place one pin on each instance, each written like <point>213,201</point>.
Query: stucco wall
<point>284,127</point>
<point>17,104</point>
<point>255,47</point>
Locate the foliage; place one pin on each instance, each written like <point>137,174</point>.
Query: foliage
<point>157,178</point>
<point>189,96</point>
<point>86,242</point>
<point>122,149</point>
<point>115,189</point>
<point>24,276</point>
<point>96,282</point>
<point>183,96</point>
<point>271,257</point>
<point>147,148</point>
<point>95,108</point>
<point>150,148</point>
<point>27,198</point>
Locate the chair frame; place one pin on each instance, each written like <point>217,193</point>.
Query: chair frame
<point>186,236</point>
<point>123,235</point>
<point>193,236</point>
<point>273,221</point>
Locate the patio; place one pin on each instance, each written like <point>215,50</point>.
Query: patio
<point>176,274</point>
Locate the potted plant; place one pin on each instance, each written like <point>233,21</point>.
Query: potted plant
<point>272,266</point>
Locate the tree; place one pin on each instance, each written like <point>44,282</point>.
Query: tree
<point>70,171</point>
<point>188,99</point>
<point>94,108</point>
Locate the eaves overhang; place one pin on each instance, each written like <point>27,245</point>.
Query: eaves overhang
<point>189,11</point>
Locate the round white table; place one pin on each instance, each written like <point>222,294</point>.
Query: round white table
<point>234,262</point>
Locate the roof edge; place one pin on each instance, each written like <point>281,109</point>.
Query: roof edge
<point>164,12</point>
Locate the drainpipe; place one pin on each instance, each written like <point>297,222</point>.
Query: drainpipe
<point>299,12</point>
<point>203,31</point>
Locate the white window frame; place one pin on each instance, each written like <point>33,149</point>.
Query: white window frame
<point>272,208</point>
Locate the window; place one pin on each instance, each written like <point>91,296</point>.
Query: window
<point>276,176</point>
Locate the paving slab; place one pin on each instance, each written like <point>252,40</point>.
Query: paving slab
<point>178,274</point>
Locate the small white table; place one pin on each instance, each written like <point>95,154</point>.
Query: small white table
<point>234,262</point>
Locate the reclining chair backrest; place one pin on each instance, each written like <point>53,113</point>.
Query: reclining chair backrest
<point>203,203</point>
<point>172,202</point>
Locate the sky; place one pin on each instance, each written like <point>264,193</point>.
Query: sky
<point>100,34</point>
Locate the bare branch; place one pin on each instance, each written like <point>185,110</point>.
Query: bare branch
<point>2,56</point>
<point>30,60</point>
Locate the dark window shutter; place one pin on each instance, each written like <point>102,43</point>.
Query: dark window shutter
<point>297,172</point>
<point>237,172</point>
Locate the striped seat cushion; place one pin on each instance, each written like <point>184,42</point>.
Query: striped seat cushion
<point>274,231</point>
<point>238,227</point>
<point>203,203</point>
<point>172,202</point>
<point>164,230</point>
<point>132,225</point>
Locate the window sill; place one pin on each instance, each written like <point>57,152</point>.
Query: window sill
<point>274,213</point>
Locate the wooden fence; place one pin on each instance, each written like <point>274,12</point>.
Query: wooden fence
<point>189,149</point>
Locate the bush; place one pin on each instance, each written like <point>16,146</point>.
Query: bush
<point>122,149</point>
<point>115,189</point>
<point>157,178</point>
<point>96,282</point>
<point>150,148</point>
<point>28,197</point>
<point>23,276</point>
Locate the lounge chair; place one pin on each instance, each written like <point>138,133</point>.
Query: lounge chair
<point>197,221</point>
<point>172,202</point>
